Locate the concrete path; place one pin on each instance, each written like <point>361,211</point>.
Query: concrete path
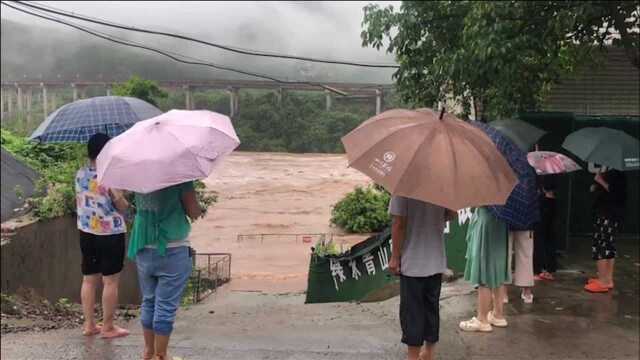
<point>564,323</point>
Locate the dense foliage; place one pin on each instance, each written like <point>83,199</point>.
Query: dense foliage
<point>499,56</point>
<point>298,122</point>
<point>142,89</point>
<point>57,165</point>
<point>364,210</point>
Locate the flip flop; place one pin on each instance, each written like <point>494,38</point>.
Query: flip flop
<point>596,287</point>
<point>596,279</point>
<point>115,333</point>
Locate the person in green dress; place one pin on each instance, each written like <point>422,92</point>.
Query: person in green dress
<point>487,269</point>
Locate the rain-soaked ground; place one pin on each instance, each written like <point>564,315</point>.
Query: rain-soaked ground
<point>563,323</point>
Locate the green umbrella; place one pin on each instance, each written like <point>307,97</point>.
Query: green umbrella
<point>604,146</point>
<point>523,134</point>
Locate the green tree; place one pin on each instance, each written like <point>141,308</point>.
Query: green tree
<point>142,89</point>
<point>499,56</point>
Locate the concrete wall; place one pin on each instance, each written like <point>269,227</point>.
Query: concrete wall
<point>45,256</point>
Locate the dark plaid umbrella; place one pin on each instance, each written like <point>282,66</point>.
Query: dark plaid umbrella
<point>521,210</point>
<point>79,120</point>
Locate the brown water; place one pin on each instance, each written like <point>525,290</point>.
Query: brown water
<point>275,194</point>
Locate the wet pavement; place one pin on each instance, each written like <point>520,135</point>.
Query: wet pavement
<point>564,323</point>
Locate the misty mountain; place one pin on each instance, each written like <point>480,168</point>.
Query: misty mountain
<point>34,49</point>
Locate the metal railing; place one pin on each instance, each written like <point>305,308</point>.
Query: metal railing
<point>297,238</point>
<point>210,271</point>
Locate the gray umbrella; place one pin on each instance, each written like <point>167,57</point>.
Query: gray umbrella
<point>521,133</point>
<point>604,146</point>
<point>79,120</point>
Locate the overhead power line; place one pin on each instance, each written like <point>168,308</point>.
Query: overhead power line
<point>50,9</point>
<point>172,55</point>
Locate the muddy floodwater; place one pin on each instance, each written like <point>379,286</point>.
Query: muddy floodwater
<point>271,193</point>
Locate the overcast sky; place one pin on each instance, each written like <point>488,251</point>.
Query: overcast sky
<point>321,29</point>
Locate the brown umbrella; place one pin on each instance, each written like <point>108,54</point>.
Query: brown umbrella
<point>431,157</point>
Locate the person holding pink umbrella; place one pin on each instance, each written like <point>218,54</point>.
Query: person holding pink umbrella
<point>158,159</point>
<point>159,244</point>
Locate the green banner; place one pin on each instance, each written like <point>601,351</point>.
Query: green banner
<point>359,273</point>
<point>362,273</point>
<point>455,235</point>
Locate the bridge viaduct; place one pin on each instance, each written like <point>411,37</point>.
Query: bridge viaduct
<point>17,96</point>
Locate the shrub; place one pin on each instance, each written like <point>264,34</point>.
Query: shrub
<point>362,211</point>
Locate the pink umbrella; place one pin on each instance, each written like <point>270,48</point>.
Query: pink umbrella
<point>166,150</point>
<point>548,162</point>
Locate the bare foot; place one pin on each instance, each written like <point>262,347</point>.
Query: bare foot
<point>113,333</point>
<point>91,330</point>
<point>148,354</point>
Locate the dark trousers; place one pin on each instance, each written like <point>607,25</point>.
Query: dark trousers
<point>420,309</point>
<point>544,250</point>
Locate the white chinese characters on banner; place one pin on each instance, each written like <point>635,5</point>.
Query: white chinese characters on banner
<point>383,256</point>
<point>337,272</point>
<point>369,264</point>
<point>355,273</point>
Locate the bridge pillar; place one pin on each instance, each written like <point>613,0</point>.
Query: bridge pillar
<point>108,90</point>
<point>75,91</point>
<point>188,99</point>
<point>19,97</point>
<point>1,103</point>
<point>233,101</point>
<point>45,101</point>
<point>29,99</point>
<point>378,101</point>
<point>279,93</point>
<point>83,92</point>
<point>10,102</point>
<point>53,101</point>
<point>327,96</point>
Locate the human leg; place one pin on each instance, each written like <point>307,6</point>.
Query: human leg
<point>88,298</point>
<point>90,268</point>
<point>428,352</point>
<point>603,250</point>
<point>148,284</point>
<point>431,295</point>
<point>173,274</point>
<point>551,263</point>
<point>480,322</point>
<point>111,251</point>
<point>412,315</point>
<point>109,305</point>
<point>523,275</point>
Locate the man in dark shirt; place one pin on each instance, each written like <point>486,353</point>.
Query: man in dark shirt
<point>610,196</point>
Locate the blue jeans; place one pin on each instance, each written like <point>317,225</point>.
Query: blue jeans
<point>162,281</point>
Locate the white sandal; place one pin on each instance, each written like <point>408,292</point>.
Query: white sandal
<point>475,325</point>
<point>495,321</point>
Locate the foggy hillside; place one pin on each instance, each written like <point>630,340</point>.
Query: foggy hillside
<point>37,48</point>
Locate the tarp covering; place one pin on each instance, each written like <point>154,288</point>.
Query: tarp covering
<point>15,176</point>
